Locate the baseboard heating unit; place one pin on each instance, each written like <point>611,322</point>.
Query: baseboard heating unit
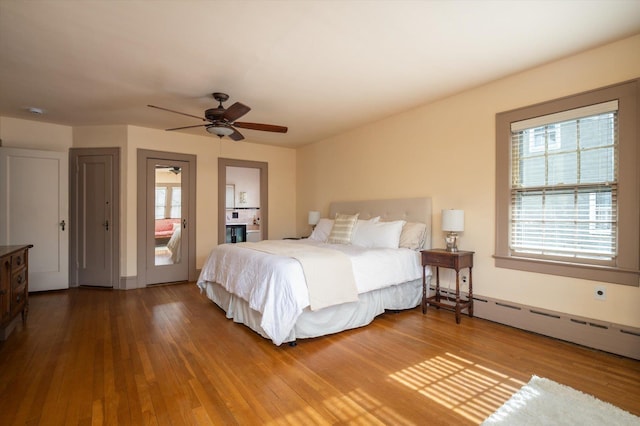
<point>618,339</point>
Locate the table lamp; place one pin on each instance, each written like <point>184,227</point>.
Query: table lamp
<point>314,218</point>
<point>452,223</point>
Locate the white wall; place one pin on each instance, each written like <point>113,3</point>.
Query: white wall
<point>245,180</point>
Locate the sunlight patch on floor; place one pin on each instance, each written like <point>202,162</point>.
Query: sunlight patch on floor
<point>469,389</point>
<point>359,407</point>
<point>355,407</point>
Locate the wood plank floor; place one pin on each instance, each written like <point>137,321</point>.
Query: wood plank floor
<point>167,355</point>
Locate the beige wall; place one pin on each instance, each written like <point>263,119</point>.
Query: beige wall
<point>446,150</point>
<point>31,134</point>
<point>282,166</point>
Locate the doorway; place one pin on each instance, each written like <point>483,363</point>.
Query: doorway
<point>243,200</point>
<point>166,217</point>
<point>94,227</point>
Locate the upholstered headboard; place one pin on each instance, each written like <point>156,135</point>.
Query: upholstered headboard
<point>409,209</point>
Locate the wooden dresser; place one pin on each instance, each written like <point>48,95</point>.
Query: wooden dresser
<point>14,286</point>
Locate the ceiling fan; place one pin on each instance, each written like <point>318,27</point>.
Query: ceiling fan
<point>222,122</point>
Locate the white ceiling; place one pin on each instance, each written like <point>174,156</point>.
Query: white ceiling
<point>319,67</point>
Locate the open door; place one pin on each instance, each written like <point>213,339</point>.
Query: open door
<point>232,202</point>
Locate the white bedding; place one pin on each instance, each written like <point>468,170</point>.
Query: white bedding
<point>328,273</point>
<point>275,285</point>
<point>174,245</point>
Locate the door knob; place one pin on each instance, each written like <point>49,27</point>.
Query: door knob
<point>62,224</point>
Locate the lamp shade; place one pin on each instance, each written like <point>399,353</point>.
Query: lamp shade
<point>314,217</point>
<point>453,220</point>
<point>220,130</point>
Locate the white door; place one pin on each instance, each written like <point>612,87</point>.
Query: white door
<point>34,191</point>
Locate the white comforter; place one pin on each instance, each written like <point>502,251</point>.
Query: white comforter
<point>275,286</point>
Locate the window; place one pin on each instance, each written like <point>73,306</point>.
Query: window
<point>567,186</point>
<point>168,201</point>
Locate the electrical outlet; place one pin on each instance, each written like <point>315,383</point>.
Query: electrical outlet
<point>600,292</point>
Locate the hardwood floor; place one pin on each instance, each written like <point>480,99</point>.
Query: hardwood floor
<point>167,355</point>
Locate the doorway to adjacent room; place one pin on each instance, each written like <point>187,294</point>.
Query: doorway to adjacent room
<point>243,205</point>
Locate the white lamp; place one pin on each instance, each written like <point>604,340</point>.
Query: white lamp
<point>314,218</point>
<point>452,222</point>
<point>220,130</point>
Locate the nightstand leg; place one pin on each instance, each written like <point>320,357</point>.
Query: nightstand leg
<point>457,297</point>
<point>470,293</point>
<point>437,284</point>
<point>424,290</point>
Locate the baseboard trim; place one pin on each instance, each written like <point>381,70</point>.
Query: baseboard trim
<point>609,337</point>
<point>129,283</point>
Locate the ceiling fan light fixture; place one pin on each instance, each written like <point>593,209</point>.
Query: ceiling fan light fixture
<point>220,130</point>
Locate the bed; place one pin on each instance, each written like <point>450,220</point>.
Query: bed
<point>284,290</point>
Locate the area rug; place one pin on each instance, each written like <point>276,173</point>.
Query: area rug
<point>545,402</point>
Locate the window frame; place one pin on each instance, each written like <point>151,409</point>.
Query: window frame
<point>627,265</point>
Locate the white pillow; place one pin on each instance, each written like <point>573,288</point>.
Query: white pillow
<point>363,222</point>
<point>413,235</point>
<point>321,231</point>
<point>379,234</point>
<point>342,228</point>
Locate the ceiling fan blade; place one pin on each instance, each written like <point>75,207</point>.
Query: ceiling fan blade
<point>263,127</point>
<point>235,111</point>
<point>236,135</point>
<point>178,112</point>
<point>186,127</point>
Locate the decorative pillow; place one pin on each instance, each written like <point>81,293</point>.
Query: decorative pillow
<point>342,229</point>
<point>322,230</point>
<point>413,235</point>
<point>363,222</point>
<point>379,235</point>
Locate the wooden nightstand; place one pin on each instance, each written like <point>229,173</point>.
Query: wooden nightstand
<point>457,260</point>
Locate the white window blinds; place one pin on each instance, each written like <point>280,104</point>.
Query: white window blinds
<point>564,181</point>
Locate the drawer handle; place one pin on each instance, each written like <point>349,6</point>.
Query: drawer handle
<point>3,292</point>
<point>19,261</point>
<point>18,298</point>
<point>19,279</point>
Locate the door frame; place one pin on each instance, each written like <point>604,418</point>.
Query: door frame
<point>74,216</point>
<point>141,215</point>
<point>222,192</point>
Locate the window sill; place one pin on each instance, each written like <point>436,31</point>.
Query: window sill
<point>567,269</point>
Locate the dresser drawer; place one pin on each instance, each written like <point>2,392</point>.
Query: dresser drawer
<point>19,278</point>
<point>14,286</point>
<point>18,259</point>
<point>18,298</point>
